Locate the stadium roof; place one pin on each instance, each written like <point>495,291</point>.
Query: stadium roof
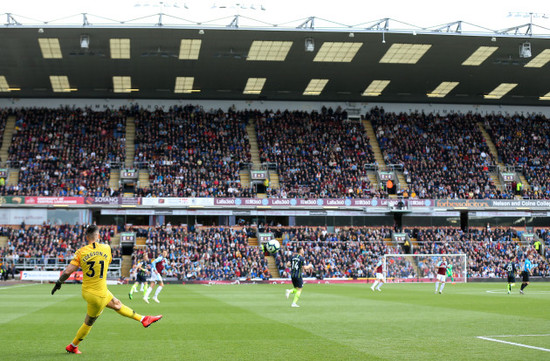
<point>203,63</point>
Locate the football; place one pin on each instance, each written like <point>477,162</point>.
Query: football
<point>273,246</point>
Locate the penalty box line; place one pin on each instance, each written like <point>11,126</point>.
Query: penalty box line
<point>515,343</point>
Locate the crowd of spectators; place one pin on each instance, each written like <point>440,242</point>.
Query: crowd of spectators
<point>524,141</point>
<point>346,252</point>
<point>318,154</point>
<point>192,153</point>
<point>66,151</point>
<point>442,156</point>
<point>215,253</point>
<point>48,244</point>
<point>224,253</point>
<point>488,251</point>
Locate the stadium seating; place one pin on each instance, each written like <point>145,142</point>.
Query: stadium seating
<point>45,244</point>
<point>318,154</point>
<point>488,251</point>
<point>443,156</point>
<point>192,153</point>
<point>207,254</point>
<point>524,141</point>
<point>351,252</point>
<point>66,152</point>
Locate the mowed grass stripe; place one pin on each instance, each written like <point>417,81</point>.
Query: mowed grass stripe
<point>195,327</point>
<point>391,328</point>
<point>336,322</point>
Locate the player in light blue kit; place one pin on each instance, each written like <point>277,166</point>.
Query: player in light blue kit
<point>525,272</point>
<point>157,266</point>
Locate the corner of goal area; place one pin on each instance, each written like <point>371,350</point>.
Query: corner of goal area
<point>508,340</point>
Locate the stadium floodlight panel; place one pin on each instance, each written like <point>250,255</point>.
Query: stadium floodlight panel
<point>337,52</point>
<point>375,88</point>
<point>268,50</point>
<point>545,96</point>
<point>443,89</point>
<point>184,84</point>
<point>122,84</point>
<point>405,53</point>
<point>315,86</point>
<point>254,86</point>
<point>60,84</point>
<point>120,48</point>
<point>540,60</point>
<point>480,55</point>
<point>500,91</point>
<point>4,87</point>
<point>189,49</point>
<point>50,48</point>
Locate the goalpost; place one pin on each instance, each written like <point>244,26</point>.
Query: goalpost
<point>423,267</point>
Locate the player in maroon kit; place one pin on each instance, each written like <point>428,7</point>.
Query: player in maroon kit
<point>379,271</point>
<point>157,266</point>
<point>441,275</point>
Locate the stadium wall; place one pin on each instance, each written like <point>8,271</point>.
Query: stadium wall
<point>363,107</point>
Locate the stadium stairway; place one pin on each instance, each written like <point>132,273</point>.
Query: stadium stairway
<point>389,242</point>
<point>245,178</point>
<point>378,156</point>
<point>414,262</point>
<point>13,177</point>
<point>7,138</point>
<point>126,266</point>
<point>253,141</point>
<point>526,185</point>
<point>130,145</point>
<point>402,181</point>
<point>3,241</point>
<point>273,180</point>
<point>272,266</point>
<point>114,179</point>
<point>494,153</point>
<point>253,242</point>
<point>115,241</point>
<point>143,178</point>
<point>140,243</point>
<point>490,144</point>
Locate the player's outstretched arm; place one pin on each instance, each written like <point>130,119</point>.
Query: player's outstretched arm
<point>66,274</point>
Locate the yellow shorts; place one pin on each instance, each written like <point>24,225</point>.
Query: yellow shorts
<point>96,304</point>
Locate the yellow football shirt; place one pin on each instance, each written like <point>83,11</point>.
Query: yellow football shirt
<point>94,260</point>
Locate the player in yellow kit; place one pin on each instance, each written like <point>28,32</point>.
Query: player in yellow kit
<point>94,260</point>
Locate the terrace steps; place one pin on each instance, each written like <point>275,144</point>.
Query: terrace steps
<point>126,266</point>
<point>13,177</point>
<point>114,179</point>
<point>7,138</point>
<point>143,178</point>
<point>378,156</point>
<point>130,142</point>
<point>272,266</point>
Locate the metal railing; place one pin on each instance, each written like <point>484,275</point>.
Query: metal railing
<point>50,264</point>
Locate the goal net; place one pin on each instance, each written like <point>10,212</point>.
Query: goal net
<point>423,267</point>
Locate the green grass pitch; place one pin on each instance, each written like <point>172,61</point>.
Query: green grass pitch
<point>256,322</point>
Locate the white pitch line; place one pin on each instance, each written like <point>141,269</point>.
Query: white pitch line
<point>546,335</point>
<point>514,343</point>
<point>17,286</point>
<point>531,293</point>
